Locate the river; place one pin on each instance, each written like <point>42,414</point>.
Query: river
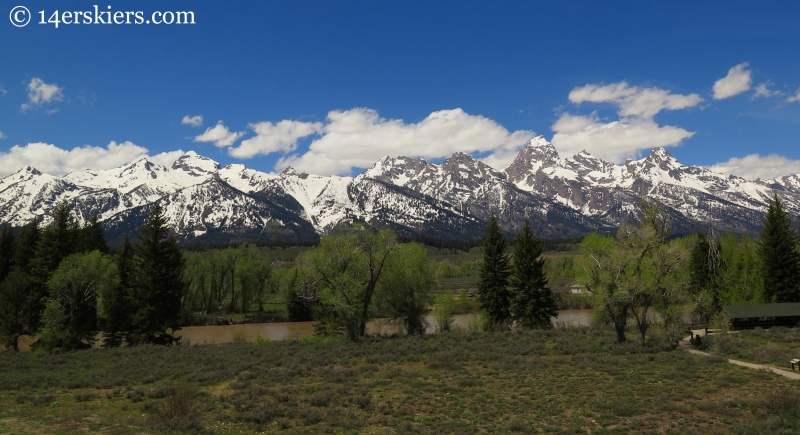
<point>290,330</point>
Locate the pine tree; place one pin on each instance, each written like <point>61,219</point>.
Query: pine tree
<point>6,251</point>
<point>25,245</point>
<point>705,269</point>
<point>780,260</point>
<point>158,284</point>
<point>57,241</point>
<point>92,237</point>
<point>493,293</point>
<point>117,300</point>
<point>533,303</point>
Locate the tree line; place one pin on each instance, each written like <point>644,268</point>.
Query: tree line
<point>58,283</point>
<point>642,271</point>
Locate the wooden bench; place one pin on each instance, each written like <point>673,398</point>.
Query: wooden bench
<point>795,362</point>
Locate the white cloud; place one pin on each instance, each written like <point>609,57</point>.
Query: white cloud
<point>614,141</point>
<point>794,98</point>
<point>219,135</point>
<point>358,137</point>
<point>634,100</point>
<point>737,81</point>
<point>57,161</point>
<point>270,138</point>
<point>41,93</point>
<point>3,91</point>
<point>194,121</point>
<point>635,129</point>
<point>756,166</point>
<point>2,135</point>
<point>762,90</point>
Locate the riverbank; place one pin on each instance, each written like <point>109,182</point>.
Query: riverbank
<point>560,381</point>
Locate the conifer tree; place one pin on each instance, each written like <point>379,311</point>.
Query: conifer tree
<point>158,284</point>
<point>92,237</point>
<point>57,241</point>
<point>6,251</point>
<point>705,270</point>
<point>533,304</point>
<point>780,260</point>
<point>25,245</point>
<point>117,299</point>
<point>493,293</point>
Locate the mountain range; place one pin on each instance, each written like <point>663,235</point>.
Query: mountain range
<point>562,197</point>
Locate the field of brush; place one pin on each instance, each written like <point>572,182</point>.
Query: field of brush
<point>559,381</point>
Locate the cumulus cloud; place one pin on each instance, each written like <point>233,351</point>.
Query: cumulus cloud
<point>634,131</point>
<point>614,141</point>
<point>53,160</point>
<point>756,166</point>
<point>634,100</point>
<point>763,90</point>
<point>794,98</point>
<point>270,138</point>
<point>358,137</point>
<point>194,121</point>
<point>737,81</point>
<point>41,93</point>
<point>219,135</point>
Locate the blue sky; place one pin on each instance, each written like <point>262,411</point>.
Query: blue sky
<point>356,80</point>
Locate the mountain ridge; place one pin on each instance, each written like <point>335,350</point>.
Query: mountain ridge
<point>561,196</point>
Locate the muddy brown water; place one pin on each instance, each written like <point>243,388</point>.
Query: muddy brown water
<point>295,330</point>
<point>289,330</point>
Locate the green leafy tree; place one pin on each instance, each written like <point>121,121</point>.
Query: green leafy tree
<point>407,284</point>
<point>493,292</point>
<point>780,261</point>
<point>70,318</point>
<point>157,284</point>
<point>444,311</point>
<point>741,281</point>
<point>345,270</point>
<point>533,304</point>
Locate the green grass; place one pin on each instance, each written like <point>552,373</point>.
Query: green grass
<point>559,381</point>
<point>773,346</point>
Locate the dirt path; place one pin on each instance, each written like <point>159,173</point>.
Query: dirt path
<point>685,343</point>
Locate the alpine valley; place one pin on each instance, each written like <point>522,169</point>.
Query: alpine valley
<point>562,197</point>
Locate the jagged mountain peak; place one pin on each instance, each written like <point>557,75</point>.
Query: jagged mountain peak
<point>290,171</point>
<point>662,158</point>
<point>195,164</point>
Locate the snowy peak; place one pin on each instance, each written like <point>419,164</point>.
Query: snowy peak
<point>395,170</point>
<point>662,158</point>
<point>195,164</point>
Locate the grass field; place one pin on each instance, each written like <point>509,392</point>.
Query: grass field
<point>773,346</point>
<point>559,381</point>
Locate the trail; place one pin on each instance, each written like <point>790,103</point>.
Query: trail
<point>685,343</point>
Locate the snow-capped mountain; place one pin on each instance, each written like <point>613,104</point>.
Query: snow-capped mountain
<point>560,196</point>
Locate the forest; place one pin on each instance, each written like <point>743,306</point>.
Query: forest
<point>63,285</point>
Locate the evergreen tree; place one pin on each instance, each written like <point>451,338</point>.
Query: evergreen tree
<point>13,303</point>
<point>780,260</point>
<point>57,241</point>
<point>92,237</point>
<point>493,293</point>
<point>25,245</point>
<point>6,251</point>
<point>705,268</point>
<point>533,304</point>
<point>158,284</point>
<point>117,299</point>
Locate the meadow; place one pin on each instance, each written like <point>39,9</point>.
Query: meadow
<point>523,382</point>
